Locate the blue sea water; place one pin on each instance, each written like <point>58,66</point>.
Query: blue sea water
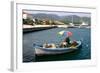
<point>50,35</point>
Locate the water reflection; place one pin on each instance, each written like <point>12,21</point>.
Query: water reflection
<point>50,36</point>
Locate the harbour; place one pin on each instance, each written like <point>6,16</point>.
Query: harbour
<point>50,36</point>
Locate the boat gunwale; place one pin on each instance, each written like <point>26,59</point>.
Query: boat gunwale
<point>58,49</point>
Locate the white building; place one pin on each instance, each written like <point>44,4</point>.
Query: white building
<point>24,15</point>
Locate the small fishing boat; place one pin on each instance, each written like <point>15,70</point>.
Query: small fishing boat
<point>40,50</point>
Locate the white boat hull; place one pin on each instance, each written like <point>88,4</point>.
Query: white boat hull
<point>53,51</point>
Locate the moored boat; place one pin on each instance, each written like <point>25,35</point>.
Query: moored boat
<point>53,51</point>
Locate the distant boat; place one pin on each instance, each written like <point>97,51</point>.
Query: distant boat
<point>53,51</point>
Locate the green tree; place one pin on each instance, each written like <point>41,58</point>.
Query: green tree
<point>28,21</point>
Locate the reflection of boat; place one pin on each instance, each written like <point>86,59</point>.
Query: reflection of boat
<point>52,51</point>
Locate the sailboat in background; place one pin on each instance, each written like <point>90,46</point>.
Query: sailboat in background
<point>71,25</point>
<point>84,24</point>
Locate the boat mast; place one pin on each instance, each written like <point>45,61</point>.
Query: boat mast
<point>72,19</point>
<point>81,20</point>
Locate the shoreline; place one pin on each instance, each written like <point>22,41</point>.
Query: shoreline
<point>30,28</point>
<point>33,29</point>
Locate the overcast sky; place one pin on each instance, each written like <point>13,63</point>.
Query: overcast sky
<point>59,13</point>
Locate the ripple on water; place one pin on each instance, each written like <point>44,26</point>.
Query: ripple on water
<point>51,36</point>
